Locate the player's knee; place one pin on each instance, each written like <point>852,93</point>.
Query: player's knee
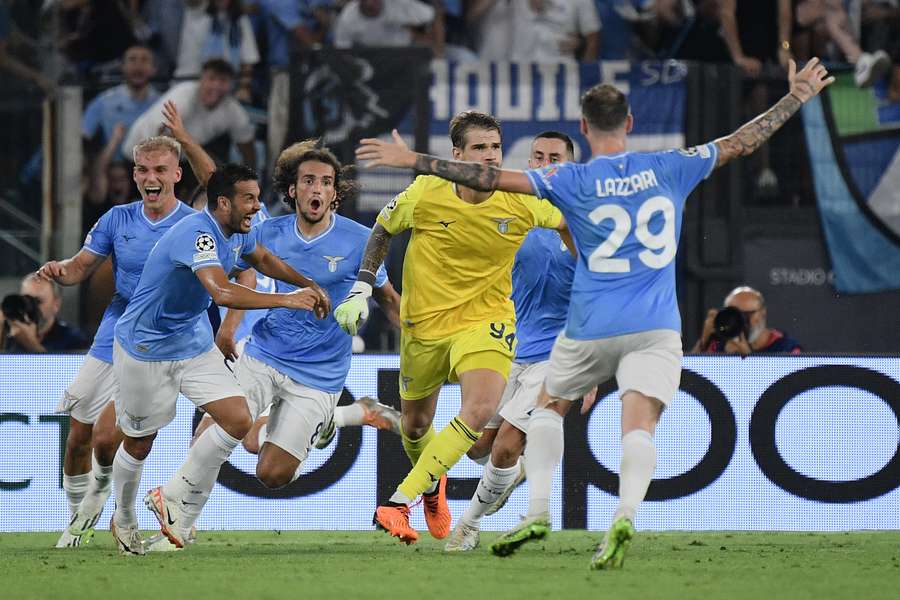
<point>239,426</point>
<point>481,448</point>
<point>106,442</point>
<point>273,476</point>
<point>79,439</point>
<point>415,425</point>
<point>502,456</point>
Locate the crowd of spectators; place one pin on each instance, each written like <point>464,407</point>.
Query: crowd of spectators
<point>220,59</point>
<point>225,62</point>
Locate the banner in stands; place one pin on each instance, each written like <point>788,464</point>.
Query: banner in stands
<point>344,96</point>
<point>853,136</point>
<point>530,98</point>
<point>765,443</point>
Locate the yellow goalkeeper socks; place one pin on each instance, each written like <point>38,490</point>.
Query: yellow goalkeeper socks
<point>413,447</point>
<point>438,457</point>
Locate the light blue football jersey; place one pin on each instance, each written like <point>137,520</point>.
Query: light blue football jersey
<point>624,212</point>
<point>125,234</point>
<point>313,352</point>
<point>166,318</point>
<point>541,284</point>
<point>263,284</point>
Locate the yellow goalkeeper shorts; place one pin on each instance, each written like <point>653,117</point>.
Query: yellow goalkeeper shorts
<point>426,364</point>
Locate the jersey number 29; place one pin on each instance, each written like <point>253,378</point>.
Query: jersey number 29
<point>659,248</point>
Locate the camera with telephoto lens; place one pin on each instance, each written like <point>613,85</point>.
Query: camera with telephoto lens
<point>20,307</point>
<point>729,323</point>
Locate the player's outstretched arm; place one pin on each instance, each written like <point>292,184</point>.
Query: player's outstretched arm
<point>201,163</point>
<point>233,295</point>
<point>354,310</point>
<point>72,270</point>
<point>271,266</point>
<point>804,85</point>
<point>470,174</point>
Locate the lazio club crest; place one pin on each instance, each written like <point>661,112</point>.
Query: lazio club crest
<point>333,262</point>
<point>503,224</point>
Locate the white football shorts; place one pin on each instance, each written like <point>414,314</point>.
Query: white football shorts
<point>297,413</point>
<point>148,391</point>
<point>93,387</point>
<point>521,394</point>
<point>648,362</point>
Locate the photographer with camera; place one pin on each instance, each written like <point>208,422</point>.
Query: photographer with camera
<point>28,322</point>
<point>741,328</point>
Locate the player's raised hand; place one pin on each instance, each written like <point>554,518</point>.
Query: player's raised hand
<point>172,120</point>
<point>354,310</point>
<point>380,153</point>
<point>810,80</point>
<point>52,270</point>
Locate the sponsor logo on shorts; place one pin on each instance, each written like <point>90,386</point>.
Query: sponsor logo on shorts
<point>405,381</point>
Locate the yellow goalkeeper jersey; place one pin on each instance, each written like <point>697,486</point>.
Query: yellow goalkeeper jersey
<point>458,266</point>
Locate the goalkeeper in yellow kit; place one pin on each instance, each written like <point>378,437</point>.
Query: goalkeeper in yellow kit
<point>458,322</point>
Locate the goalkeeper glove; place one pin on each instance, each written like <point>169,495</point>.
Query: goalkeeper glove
<point>354,310</point>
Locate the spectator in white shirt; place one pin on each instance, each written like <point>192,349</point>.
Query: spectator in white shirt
<point>536,30</point>
<point>217,29</point>
<point>381,22</point>
<point>207,108</point>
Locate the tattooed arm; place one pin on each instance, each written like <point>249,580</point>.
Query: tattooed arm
<point>469,174</point>
<point>376,250</point>
<point>750,136</point>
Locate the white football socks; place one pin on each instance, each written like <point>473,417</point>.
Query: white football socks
<point>75,487</point>
<point>195,478</point>
<point>98,488</point>
<point>635,471</point>
<point>349,416</point>
<point>491,486</point>
<point>545,452</point>
<point>126,472</point>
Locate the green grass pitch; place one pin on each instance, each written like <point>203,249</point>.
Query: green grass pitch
<point>320,565</point>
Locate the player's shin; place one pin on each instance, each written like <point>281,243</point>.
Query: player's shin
<point>545,451</point>
<point>194,480</point>
<point>75,486</point>
<point>126,474</point>
<point>635,471</point>
<point>491,486</point>
<point>437,458</point>
<point>414,447</point>
<point>98,488</point>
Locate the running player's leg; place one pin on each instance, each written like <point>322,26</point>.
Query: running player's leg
<point>295,423</point>
<point>208,383</point>
<point>648,374</point>
<point>480,359</point>
<point>424,366</point>
<point>105,441</point>
<point>77,462</point>
<point>498,475</point>
<point>145,403</point>
<point>83,400</point>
